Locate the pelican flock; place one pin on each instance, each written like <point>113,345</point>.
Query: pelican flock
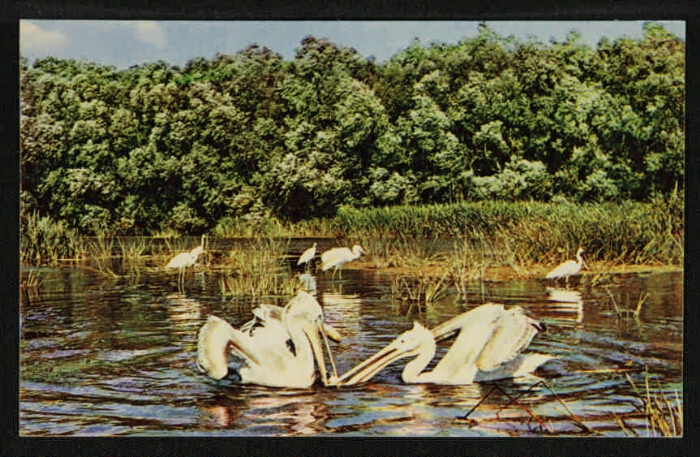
<point>281,346</point>
<point>277,348</point>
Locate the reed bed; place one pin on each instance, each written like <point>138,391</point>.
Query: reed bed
<point>515,234</point>
<point>418,290</point>
<point>31,281</point>
<point>248,227</point>
<point>522,233</point>
<point>132,251</point>
<point>43,241</point>
<point>258,270</point>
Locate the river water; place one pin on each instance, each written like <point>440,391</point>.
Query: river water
<point>104,357</point>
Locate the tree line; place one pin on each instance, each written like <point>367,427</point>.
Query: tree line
<point>156,147</point>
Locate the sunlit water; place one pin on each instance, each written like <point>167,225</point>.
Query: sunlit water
<point>117,357</point>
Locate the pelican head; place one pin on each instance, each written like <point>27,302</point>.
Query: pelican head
<point>279,351</point>
<point>304,312</point>
<point>417,341</point>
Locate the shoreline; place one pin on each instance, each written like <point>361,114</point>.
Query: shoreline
<point>497,273</point>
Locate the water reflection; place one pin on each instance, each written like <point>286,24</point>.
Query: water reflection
<point>266,411</point>
<point>105,357</point>
<point>308,282</point>
<point>567,304</point>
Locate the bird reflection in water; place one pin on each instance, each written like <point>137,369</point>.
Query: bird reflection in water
<point>566,304</point>
<point>289,413</point>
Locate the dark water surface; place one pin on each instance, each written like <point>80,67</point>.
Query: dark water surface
<point>117,357</point>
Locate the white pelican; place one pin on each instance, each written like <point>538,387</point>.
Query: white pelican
<point>277,348</point>
<point>568,268</point>
<point>337,257</point>
<point>487,348</point>
<point>184,260</point>
<point>307,255</point>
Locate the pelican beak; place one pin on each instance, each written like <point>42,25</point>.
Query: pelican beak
<point>371,366</point>
<point>312,330</point>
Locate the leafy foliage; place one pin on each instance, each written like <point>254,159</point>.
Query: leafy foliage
<point>251,136</point>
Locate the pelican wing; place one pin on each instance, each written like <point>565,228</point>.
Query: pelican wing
<point>335,257</point>
<point>261,315</point>
<point>328,259</point>
<point>267,346</point>
<point>476,327</point>
<point>481,315</point>
<point>513,332</point>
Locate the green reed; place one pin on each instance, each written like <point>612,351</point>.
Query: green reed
<point>522,233</point>
<point>43,241</point>
<point>132,251</point>
<point>101,252</point>
<point>233,227</point>
<point>258,269</point>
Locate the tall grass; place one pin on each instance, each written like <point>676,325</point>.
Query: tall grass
<point>101,250</point>
<point>132,251</point>
<point>521,233</point>
<point>230,227</point>
<point>43,241</point>
<point>517,234</point>
<point>258,270</point>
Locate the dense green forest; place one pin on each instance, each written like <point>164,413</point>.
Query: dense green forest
<point>157,148</point>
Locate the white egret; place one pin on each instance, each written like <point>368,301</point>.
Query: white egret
<point>488,347</point>
<point>185,260</point>
<point>277,348</point>
<point>307,255</point>
<point>337,257</point>
<point>568,268</point>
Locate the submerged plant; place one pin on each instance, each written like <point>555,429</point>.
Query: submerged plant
<point>101,250</point>
<point>664,416</point>
<point>258,269</point>
<point>420,289</point>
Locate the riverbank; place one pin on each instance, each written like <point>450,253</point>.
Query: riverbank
<point>463,235</point>
<point>498,273</point>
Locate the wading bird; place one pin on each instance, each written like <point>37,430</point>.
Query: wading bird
<point>307,255</point>
<point>184,260</point>
<point>337,257</point>
<point>568,268</point>
<point>488,347</point>
<point>277,348</point>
